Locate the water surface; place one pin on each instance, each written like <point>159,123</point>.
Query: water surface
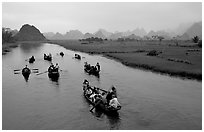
<point>149,100</point>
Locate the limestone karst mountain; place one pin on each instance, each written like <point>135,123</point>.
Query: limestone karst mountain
<point>29,33</point>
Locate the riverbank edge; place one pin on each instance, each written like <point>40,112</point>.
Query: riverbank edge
<point>181,74</point>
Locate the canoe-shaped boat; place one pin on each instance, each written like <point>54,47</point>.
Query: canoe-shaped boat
<point>91,71</point>
<point>31,60</point>
<point>47,57</point>
<point>101,106</point>
<point>26,72</point>
<point>62,54</point>
<point>77,57</point>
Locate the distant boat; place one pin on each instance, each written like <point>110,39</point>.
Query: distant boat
<point>77,56</point>
<point>48,57</point>
<point>53,73</point>
<point>26,72</point>
<point>32,59</point>
<point>62,54</point>
<point>92,70</point>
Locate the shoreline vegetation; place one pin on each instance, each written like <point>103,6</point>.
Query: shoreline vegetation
<point>181,59</point>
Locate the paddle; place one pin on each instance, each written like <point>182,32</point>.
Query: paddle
<point>35,69</point>
<point>42,73</point>
<point>94,106</point>
<point>17,70</point>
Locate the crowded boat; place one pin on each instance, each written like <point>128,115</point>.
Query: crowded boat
<point>94,70</point>
<point>101,99</point>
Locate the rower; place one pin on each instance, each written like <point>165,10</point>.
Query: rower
<point>98,66</point>
<point>57,67</point>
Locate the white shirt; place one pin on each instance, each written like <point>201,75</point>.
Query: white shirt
<point>114,103</point>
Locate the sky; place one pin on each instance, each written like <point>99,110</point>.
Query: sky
<point>89,17</point>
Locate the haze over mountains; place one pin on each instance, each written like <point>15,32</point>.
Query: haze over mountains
<point>184,32</point>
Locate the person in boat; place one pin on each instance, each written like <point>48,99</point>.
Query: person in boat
<point>51,67</point>
<point>113,90</point>
<point>56,67</point>
<point>114,102</point>
<point>85,84</point>
<point>88,67</point>
<point>98,66</point>
<point>103,98</point>
<point>110,93</point>
<point>98,99</point>
<point>92,96</point>
<point>32,57</point>
<point>50,55</point>
<point>88,92</point>
<point>26,68</point>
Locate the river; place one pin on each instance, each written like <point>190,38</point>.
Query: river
<point>149,100</point>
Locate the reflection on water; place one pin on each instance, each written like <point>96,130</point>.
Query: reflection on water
<point>28,48</point>
<point>149,101</point>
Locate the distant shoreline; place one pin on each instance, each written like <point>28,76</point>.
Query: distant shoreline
<point>127,54</point>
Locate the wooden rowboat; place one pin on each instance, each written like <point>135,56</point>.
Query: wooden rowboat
<point>101,106</point>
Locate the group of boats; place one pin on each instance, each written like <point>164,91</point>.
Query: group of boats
<point>53,73</point>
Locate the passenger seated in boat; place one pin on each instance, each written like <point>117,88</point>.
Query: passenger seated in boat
<point>32,57</point>
<point>96,90</point>
<point>88,92</point>
<point>92,96</point>
<point>94,68</point>
<point>98,99</point>
<point>103,98</point>
<point>114,102</point>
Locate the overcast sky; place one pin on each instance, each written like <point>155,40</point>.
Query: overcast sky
<point>89,17</point>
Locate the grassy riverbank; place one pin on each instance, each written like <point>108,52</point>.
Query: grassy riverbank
<point>183,60</point>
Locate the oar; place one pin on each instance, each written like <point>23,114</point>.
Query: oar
<point>95,105</point>
<point>42,73</point>
<point>17,70</point>
<point>35,69</point>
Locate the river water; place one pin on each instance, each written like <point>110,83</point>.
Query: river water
<point>149,101</point>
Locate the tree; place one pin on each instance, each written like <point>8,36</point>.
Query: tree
<point>6,36</point>
<point>195,39</point>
